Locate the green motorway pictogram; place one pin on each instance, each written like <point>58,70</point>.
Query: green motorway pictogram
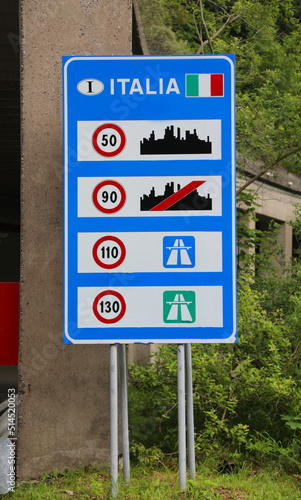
<point>179,306</point>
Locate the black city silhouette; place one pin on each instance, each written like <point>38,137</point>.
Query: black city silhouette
<point>192,201</point>
<point>171,144</point>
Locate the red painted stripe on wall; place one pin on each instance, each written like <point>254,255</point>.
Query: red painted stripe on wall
<point>9,323</point>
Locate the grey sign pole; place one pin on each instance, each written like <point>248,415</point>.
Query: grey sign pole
<point>124,412</point>
<point>114,420</point>
<point>181,417</point>
<point>190,417</point>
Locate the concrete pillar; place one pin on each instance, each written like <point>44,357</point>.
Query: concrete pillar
<point>287,241</point>
<point>64,390</point>
<point>139,354</point>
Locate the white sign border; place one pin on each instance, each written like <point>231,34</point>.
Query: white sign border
<point>232,337</point>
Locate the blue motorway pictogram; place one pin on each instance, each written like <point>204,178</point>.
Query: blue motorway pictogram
<point>178,251</point>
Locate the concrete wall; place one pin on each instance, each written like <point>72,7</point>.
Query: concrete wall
<point>278,201</point>
<point>64,390</point>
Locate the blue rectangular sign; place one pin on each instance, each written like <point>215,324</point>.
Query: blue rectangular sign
<point>149,199</point>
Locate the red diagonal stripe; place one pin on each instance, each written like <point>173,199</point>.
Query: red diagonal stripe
<point>177,196</point>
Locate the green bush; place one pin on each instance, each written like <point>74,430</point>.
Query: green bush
<point>241,392</point>
<point>160,37</point>
<point>247,397</point>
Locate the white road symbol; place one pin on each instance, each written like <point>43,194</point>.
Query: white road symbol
<point>179,251</point>
<point>179,303</point>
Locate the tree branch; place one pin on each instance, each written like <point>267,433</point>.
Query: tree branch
<point>270,167</point>
<point>199,32</point>
<point>205,26</point>
<point>218,32</point>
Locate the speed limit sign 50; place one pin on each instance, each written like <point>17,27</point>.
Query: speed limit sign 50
<point>108,140</point>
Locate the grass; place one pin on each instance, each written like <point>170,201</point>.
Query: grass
<point>162,484</point>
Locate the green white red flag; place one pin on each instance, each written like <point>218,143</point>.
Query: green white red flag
<point>205,85</point>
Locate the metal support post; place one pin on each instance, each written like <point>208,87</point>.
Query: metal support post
<point>181,417</point>
<point>124,412</point>
<point>114,420</point>
<point>190,417</point>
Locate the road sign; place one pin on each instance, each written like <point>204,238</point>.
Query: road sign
<point>149,140</point>
<point>108,140</point>
<point>179,307</point>
<point>109,252</point>
<point>109,306</point>
<point>149,196</point>
<point>148,252</point>
<point>108,197</point>
<point>179,252</point>
<point>121,305</point>
<point>143,196</point>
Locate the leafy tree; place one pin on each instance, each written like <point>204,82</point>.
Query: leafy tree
<point>247,396</point>
<point>265,37</point>
<point>160,37</point>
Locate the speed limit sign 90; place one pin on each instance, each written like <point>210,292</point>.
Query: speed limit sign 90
<point>109,306</point>
<point>108,140</point>
<point>109,196</point>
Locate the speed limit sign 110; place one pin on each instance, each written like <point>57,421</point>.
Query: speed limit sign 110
<point>109,252</point>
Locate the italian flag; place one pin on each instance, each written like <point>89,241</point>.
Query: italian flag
<point>205,85</point>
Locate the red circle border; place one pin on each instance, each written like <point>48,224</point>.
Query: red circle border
<point>119,261</point>
<point>109,210</point>
<point>118,296</point>
<point>100,129</point>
